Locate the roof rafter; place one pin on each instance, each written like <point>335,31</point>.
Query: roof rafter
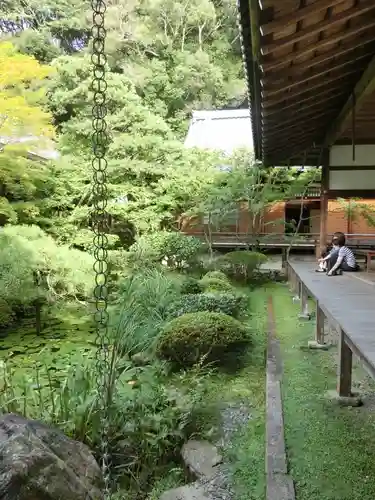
<point>318,84</point>
<point>270,115</point>
<point>293,18</point>
<point>365,86</point>
<point>275,87</point>
<point>341,17</point>
<point>337,37</point>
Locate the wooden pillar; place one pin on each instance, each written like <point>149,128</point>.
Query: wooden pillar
<point>304,302</point>
<point>319,334</point>
<point>344,379</point>
<point>283,257</point>
<point>324,204</point>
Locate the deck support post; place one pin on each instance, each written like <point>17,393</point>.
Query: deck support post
<point>319,343</point>
<point>344,395</point>
<point>344,379</point>
<point>293,281</point>
<point>324,205</point>
<point>304,303</point>
<point>284,252</point>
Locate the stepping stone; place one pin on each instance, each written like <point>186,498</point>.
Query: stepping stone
<point>201,458</point>
<point>189,492</point>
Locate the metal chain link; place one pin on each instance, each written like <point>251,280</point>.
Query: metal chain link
<point>99,219</point>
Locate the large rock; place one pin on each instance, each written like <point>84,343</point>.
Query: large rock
<point>201,458</point>
<point>39,462</point>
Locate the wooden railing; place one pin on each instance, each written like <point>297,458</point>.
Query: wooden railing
<point>308,240</point>
<point>311,192</point>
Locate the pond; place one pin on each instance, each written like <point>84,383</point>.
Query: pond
<point>68,333</point>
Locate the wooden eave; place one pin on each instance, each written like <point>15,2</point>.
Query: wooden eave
<point>311,75</point>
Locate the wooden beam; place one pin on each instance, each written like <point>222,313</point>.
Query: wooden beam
<point>313,126</point>
<point>286,139</point>
<point>284,158</point>
<point>364,87</point>
<point>254,21</point>
<point>299,151</point>
<point>305,101</point>
<point>275,87</point>
<point>318,84</point>
<point>298,69</point>
<point>296,159</point>
<point>320,26</point>
<point>300,108</point>
<point>295,120</point>
<point>298,148</point>
<point>255,91</point>
<point>302,144</point>
<point>337,37</point>
<point>291,19</point>
<point>324,201</point>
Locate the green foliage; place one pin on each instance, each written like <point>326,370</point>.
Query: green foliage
<point>7,315</point>
<point>242,263</point>
<point>189,338</point>
<point>175,250</point>
<point>73,405</point>
<point>215,285</point>
<point>355,209</point>
<point>232,305</point>
<point>143,301</point>
<point>190,285</point>
<point>217,275</point>
<point>34,268</point>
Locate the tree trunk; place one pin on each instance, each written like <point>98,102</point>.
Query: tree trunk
<point>38,317</point>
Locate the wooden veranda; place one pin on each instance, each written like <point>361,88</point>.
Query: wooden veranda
<point>348,304</point>
<point>310,66</point>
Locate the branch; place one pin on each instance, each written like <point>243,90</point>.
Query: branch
<point>300,214</point>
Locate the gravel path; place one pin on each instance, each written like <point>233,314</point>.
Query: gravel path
<point>233,418</point>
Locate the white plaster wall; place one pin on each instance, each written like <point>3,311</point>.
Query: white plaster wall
<point>352,179</point>
<point>342,156</point>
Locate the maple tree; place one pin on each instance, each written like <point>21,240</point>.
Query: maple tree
<point>22,91</point>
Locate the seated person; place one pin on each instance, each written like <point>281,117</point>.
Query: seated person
<point>327,256</point>
<point>341,258</point>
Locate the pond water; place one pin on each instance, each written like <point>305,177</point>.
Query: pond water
<point>67,333</point>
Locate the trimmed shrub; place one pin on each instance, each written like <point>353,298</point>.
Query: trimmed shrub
<point>242,263</point>
<point>226,303</point>
<point>215,285</point>
<point>173,249</point>
<point>190,285</point>
<point>217,275</point>
<point>187,339</point>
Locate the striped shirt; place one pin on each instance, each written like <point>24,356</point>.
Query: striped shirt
<point>347,256</point>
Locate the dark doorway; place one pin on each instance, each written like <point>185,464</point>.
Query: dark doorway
<point>293,214</point>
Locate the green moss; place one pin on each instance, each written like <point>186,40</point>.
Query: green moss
<point>330,449</point>
<point>247,453</point>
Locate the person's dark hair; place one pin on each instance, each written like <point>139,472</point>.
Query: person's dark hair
<point>339,239</point>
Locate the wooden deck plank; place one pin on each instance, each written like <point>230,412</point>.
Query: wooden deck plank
<point>349,302</point>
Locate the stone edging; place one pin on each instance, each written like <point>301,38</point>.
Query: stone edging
<point>279,483</point>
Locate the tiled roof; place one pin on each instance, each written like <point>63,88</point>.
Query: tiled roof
<point>45,153</point>
<point>223,130</point>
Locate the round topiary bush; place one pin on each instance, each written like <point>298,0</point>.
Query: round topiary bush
<point>216,275</point>
<point>190,285</point>
<point>225,303</point>
<point>187,339</point>
<point>241,264</point>
<point>215,285</point>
